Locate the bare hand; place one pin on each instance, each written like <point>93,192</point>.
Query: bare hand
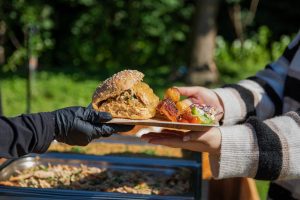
<point>207,141</point>
<point>202,95</point>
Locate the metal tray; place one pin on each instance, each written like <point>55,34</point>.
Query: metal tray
<point>155,165</point>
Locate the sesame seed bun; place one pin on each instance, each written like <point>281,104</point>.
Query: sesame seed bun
<point>124,95</point>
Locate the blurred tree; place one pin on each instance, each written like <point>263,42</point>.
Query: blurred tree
<point>102,37</point>
<point>202,69</point>
<point>18,16</point>
<point>107,35</point>
<point>21,18</point>
<point>1,109</point>
<point>2,56</point>
<point>241,18</point>
<point>32,59</point>
<point>2,34</point>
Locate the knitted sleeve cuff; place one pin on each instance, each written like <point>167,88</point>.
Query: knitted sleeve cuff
<point>239,153</point>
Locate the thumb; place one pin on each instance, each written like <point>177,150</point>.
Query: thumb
<point>96,117</point>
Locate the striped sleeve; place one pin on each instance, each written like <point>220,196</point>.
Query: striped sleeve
<point>265,150</point>
<point>260,95</point>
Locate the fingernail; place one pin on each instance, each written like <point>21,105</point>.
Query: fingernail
<point>186,138</point>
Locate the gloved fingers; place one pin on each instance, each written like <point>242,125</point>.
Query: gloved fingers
<point>106,130</point>
<point>103,131</point>
<point>121,128</point>
<point>96,117</point>
<point>80,134</point>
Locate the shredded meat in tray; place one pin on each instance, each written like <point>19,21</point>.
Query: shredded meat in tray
<point>97,179</point>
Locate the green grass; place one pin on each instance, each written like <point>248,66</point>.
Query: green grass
<point>50,92</point>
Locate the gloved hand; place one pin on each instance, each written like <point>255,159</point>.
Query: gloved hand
<point>79,125</point>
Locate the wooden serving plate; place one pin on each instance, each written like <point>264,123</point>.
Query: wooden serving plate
<point>161,123</point>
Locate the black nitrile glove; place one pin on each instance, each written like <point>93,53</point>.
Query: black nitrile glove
<point>79,125</point>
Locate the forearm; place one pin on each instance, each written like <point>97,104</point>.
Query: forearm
<point>248,98</point>
<point>259,96</point>
<point>266,150</point>
<point>25,134</point>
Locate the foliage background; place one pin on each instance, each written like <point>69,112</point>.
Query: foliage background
<point>81,42</point>
<point>103,37</point>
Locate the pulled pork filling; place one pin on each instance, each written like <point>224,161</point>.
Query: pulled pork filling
<point>127,96</point>
<point>98,179</point>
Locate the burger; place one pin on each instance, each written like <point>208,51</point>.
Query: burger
<point>125,95</point>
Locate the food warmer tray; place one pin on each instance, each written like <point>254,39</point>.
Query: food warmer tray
<point>155,165</point>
